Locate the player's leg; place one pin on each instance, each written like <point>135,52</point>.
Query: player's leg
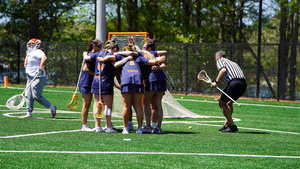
<point>147,106</point>
<point>108,101</point>
<point>138,106</point>
<point>37,91</point>
<point>127,102</point>
<point>98,127</point>
<point>157,98</point>
<point>86,104</point>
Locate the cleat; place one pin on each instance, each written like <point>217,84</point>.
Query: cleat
<point>223,128</point>
<point>157,131</point>
<point>130,127</point>
<point>139,131</point>
<point>125,131</point>
<point>25,116</point>
<point>99,129</point>
<point>147,129</point>
<point>87,128</point>
<point>110,130</point>
<point>231,129</point>
<point>53,112</point>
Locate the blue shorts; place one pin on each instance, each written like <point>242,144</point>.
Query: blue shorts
<point>85,90</point>
<point>156,86</point>
<point>235,89</point>
<point>106,87</point>
<point>132,88</point>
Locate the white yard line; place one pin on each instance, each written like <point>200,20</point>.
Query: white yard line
<point>153,153</point>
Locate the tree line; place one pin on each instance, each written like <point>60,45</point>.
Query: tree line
<point>169,21</point>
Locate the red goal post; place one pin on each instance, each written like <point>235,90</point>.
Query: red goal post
<point>122,38</point>
<point>111,34</point>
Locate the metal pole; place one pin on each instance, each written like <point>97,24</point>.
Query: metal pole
<point>101,20</point>
<point>258,50</point>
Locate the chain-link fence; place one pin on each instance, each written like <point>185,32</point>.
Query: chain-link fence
<point>184,61</point>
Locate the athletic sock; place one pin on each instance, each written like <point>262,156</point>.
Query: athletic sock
<point>29,113</point>
<point>154,124</point>
<point>52,107</point>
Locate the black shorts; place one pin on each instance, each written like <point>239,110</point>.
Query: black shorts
<point>235,89</point>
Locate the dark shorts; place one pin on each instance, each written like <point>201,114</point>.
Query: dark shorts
<point>156,86</point>
<point>85,90</point>
<point>132,88</point>
<point>235,89</point>
<point>106,87</point>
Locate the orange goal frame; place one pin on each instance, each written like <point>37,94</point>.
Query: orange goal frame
<point>110,34</point>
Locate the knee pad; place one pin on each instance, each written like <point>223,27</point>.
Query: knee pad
<point>108,111</point>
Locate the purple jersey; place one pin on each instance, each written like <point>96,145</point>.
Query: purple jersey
<point>151,76</point>
<point>106,70</point>
<point>87,79</point>
<point>131,71</point>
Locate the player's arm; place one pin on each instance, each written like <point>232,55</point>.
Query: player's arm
<point>86,69</point>
<point>127,53</point>
<point>161,52</point>
<point>157,60</point>
<point>122,62</point>
<point>43,62</point>
<point>219,77</point>
<point>107,58</point>
<point>86,57</point>
<point>161,66</point>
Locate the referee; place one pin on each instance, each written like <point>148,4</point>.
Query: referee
<point>236,87</point>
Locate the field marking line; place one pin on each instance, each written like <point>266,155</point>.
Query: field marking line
<point>47,90</point>
<point>37,134</point>
<point>152,153</point>
<point>247,104</point>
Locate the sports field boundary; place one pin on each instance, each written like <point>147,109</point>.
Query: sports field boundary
<point>148,153</point>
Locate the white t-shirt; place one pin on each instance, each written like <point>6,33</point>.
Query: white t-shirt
<point>32,62</point>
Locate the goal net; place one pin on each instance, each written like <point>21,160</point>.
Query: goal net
<point>171,108</point>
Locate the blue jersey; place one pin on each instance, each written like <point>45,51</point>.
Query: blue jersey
<point>87,79</point>
<point>131,71</point>
<point>106,71</point>
<point>151,76</point>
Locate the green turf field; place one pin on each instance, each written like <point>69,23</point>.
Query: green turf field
<point>268,137</point>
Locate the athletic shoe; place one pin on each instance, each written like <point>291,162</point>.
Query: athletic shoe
<point>53,112</point>
<point>157,131</point>
<point>26,116</point>
<point>147,129</point>
<point>139,131</point>
<point>110,130</point>
<point>125,131</point>
<point>130,127</point>
<point>87,128</point>
<point>223,128</point>
<point>99,129</point>
<point>231,129</point>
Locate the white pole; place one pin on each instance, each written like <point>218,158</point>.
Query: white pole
<point>101,20</point>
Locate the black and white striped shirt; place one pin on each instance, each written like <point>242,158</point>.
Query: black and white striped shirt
<point>233,69</point>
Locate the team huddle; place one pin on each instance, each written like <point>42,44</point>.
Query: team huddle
<point>140,78</point>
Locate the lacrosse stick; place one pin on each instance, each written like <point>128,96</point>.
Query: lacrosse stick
<point>74,102</point>
<point>202,75</point>
<point>100,113</point>
<point>17,101</point>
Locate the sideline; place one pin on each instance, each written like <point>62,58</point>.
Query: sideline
<point>146,153</point>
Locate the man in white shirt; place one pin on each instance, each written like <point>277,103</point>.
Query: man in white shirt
<point>35,64</point>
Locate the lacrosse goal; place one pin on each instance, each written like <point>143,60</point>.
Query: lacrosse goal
<point>171,108</point>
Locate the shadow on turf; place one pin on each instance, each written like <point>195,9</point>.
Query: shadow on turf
<point>253,132</point>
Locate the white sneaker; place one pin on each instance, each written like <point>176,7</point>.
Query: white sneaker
<point>110,130</point>
<point>99,129</point>
<point>125,131</point>
<point>86,128</point>
<point>130,127</point>
<point>26,116</point>
<point>139,131</point>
